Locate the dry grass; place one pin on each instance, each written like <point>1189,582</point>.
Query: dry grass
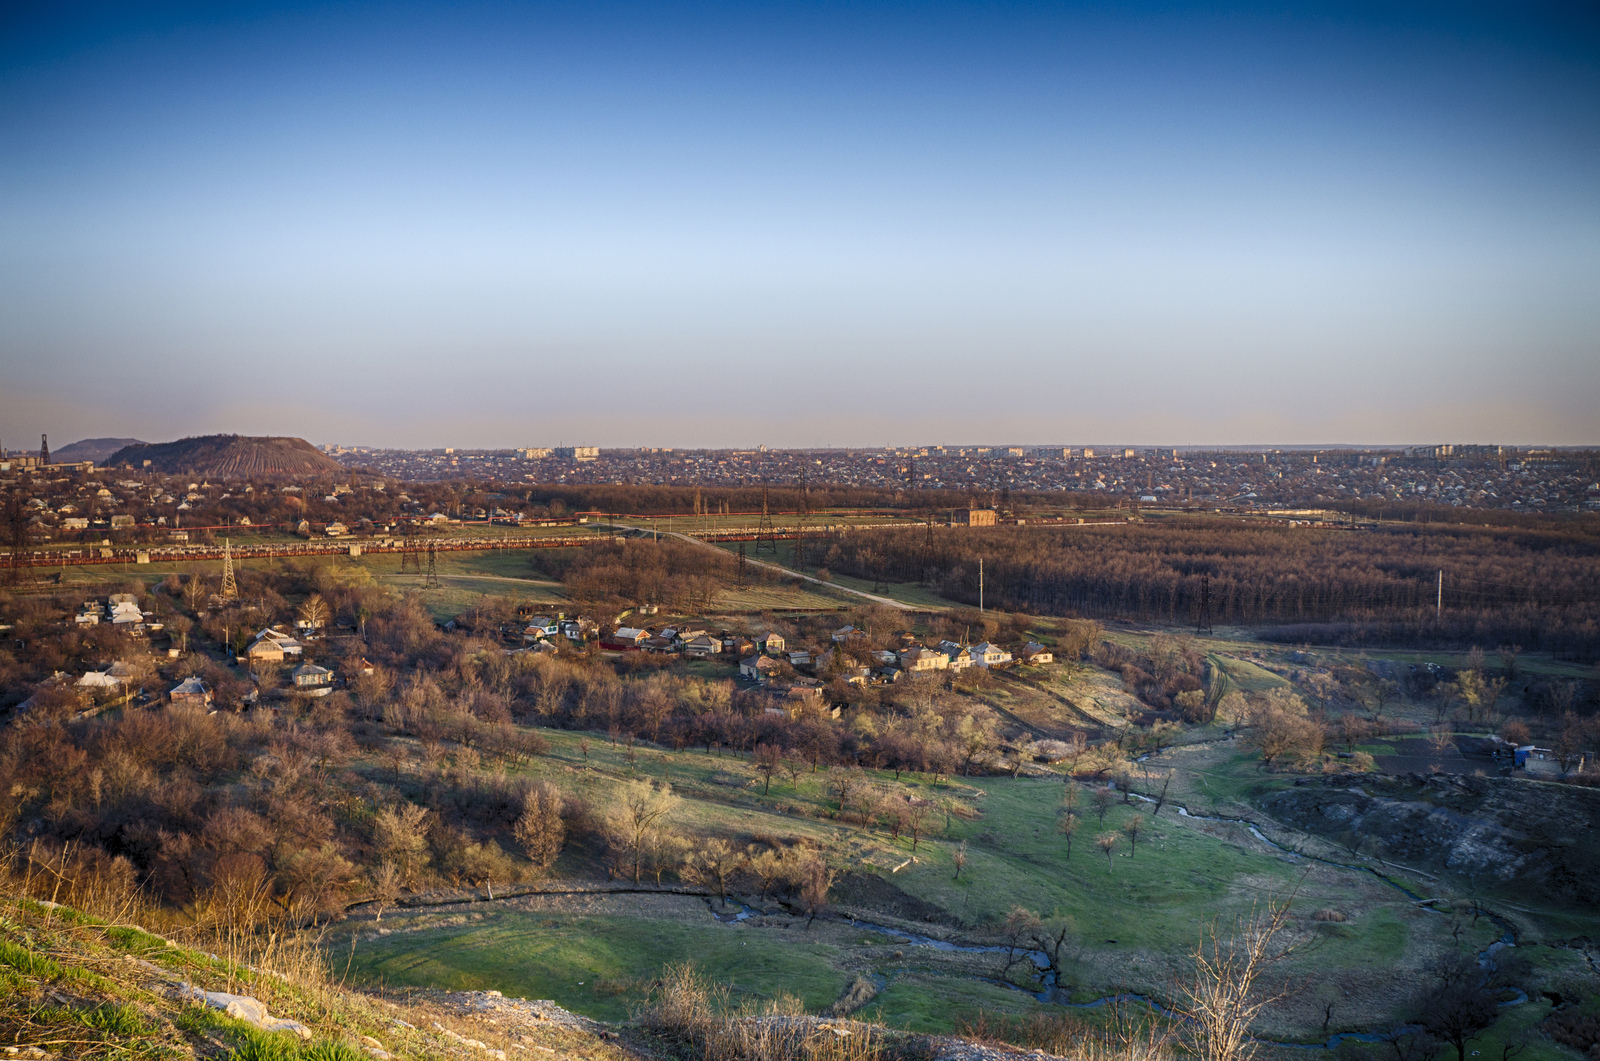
<point>697,1019</point>
<point>1127,1037</point>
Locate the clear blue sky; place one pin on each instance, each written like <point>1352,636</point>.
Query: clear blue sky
<point>796,224</point>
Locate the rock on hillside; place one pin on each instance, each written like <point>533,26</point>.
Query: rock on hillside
<point>230,456</point>
<point>91,449</point>
<point>1509,831</point>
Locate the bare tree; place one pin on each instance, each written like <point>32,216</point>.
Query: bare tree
<point>400,834</point>
<point>1132,827</point>
<point>712,864</point>
<point>385,887</point>
<point>637,815</point>
<point>816,880</point>
<point>960,858</point>
<point>194,592</point>
<point>1103,798</point>
<point>539,831</point>
<point>1222,998</point>
<point>1461,1002</point>
<point>1161,797</point>
<point>768,761</point>
<point>1107,842</point>
<point>917,814</point>
<point>314,611</point>
<point>1069,828</point>
<point>1020,925</point>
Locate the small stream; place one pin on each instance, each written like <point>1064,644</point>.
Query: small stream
<point>1051,993</point>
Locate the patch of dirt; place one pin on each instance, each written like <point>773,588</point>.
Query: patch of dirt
<point>869,892</point>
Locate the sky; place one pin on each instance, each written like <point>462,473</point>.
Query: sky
<point>801,224</point>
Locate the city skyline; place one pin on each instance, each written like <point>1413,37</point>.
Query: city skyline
<point>494,226</point>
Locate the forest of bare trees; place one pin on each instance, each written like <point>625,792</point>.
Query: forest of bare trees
<point>1539,589</point>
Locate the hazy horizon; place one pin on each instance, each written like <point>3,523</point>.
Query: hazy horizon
<point>491,226</point>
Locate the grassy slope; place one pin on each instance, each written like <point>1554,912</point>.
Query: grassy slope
<point>79,987</point>
<point>1152,903</point>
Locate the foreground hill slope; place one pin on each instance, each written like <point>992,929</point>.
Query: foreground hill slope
<point>234,456</point>
<point>73,985</point>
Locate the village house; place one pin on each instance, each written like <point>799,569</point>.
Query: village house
<point>313,680</point>
<point>625,639</point>
<point>771,643</point>
<point>580,629</point>
<point>758,668</point>
<point>1035,653</point>
<point>794,700</point>
<point>735,645</point>
<point>265,650</point>
<point>97,682</point>
<point>917,659</point>
<point>125,609</point>
<point>540,626</point>
<point>686,634</point>
<point>989,655</point>
<point>192,693</point>
<point>702,647</point>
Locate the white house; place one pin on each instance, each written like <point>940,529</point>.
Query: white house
<point>989,655</point>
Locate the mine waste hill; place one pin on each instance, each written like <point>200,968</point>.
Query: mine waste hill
<point>76,985</point>
<point>229,456</point>
<point>91,449</point>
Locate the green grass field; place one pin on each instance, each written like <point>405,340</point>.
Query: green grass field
<point>1133,917</point>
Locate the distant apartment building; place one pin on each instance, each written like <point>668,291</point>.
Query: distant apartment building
<point>578,453</point>
<point>975,517</point>
<point>534,453</point>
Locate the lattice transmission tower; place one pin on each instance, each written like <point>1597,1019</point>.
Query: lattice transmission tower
<point>431,580</point>
<point>230,585</point>
<point>766,537</point>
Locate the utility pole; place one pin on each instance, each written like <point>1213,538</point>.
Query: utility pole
<point>980,584</point>
<point>1438,610</point>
